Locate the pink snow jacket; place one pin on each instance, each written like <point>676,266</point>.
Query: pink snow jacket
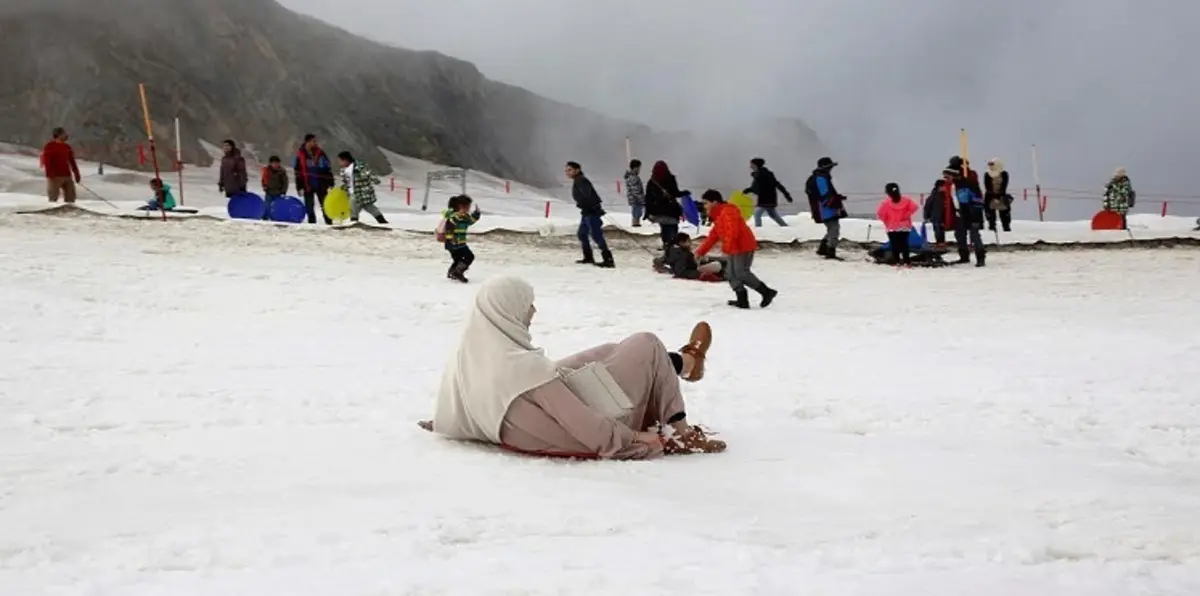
<point>897,215</point>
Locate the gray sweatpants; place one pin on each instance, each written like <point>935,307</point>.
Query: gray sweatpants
<point>357,208</point>
<point>739,274</point>
<point>833,231</point>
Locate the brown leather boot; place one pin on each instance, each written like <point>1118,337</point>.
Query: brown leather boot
<point>697,347</point>
<point>694,440</point>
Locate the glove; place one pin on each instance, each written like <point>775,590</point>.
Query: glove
<point>78,179</point>
<point>789,198</point>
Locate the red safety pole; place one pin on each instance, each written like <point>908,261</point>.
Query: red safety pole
<point>393,181</point>
<point>618,187</point>
<point>1042,204</point>
<point>162,205</point>
<point>1025,195</point>
<point>547,209</point>
<point>1164,211</point>
<point>408,195</point>
<point>507,187</point>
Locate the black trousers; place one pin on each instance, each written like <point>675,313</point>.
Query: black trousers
<point>311,200</point>
<point>900,248</point>
<point>461,256</point>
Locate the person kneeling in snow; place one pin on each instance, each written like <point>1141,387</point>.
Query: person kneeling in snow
<point>738,243</point>
<point>359,182</point>
<point>683,264</point>
<point>163,199</point>
<point>498,388</point>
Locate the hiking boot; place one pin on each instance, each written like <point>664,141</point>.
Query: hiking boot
<point>980,258</point>
<point>831,254</point>
<point>588,258</point>
<point>606,260</point>
<point>964,256</point>
<point>823,249</point>
<point>456,273</point>
<point>697,347</point>
<point>768,295</point>
<point>693,440</point>
<point>742,301</point>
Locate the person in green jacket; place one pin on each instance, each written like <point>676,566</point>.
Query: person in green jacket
<point>163,199</point>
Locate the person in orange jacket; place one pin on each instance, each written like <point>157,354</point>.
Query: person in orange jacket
<point>738,244</point>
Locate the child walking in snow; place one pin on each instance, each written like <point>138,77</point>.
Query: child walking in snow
<point>739,244</point>
<point>895,212</point>
<point>274,183</point>
<point>457,218</point>
<point>359,182</point>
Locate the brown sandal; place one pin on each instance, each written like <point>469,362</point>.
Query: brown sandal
<point>697,348</point>
<point>694,440</point>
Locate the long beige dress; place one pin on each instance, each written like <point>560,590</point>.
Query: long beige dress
<point>551,420</point>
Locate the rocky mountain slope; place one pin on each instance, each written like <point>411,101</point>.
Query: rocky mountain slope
<point>256,72</point>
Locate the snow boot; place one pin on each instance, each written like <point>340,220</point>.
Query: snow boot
<point>743,299</point>
<point>980,257</point>
<point>831,254</point>
<point>693,440</point>
<point>964,256</point>
<point>768,295</point>
<point>823,249</point>
<point>456,273</point>
<point>381,219</point>
<point>606,261</point>
<point>697,347</point>
<point>588,258</point>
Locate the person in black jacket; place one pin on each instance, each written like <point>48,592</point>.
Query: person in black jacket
<point>764,187</point>
<point>681,261</point>
<point>662,202</point>
<point>935,211</point>
<point>995,196</point>
<point>591,217</point>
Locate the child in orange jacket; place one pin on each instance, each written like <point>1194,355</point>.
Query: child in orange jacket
<point>738,244</point>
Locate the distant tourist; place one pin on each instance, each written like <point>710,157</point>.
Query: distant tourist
<point>968,200</point>
<point>766,188</point>
<point>62,173</point>
<point>996,200</point>
<point>938,211</point>
<point>274,183</point>
<point>359,182</point>
<point>635,192</point>
<point>827,205</point>
<point>233,170</point>
<point>895,212</point>
<point>314,177</point>
<point>738,245</point>
<point>1119,196</point>
<point>457,219</point>
<point>163,199</point>
<point>662,203</point>
<point>591,217</point>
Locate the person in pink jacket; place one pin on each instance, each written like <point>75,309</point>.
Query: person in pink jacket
<point>896,212</point>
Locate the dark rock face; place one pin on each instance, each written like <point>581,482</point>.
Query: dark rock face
<point>253,71</point>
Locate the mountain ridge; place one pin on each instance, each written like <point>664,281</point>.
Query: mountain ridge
<point>259,73</point>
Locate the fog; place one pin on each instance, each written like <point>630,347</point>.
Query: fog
<point>886,85</point>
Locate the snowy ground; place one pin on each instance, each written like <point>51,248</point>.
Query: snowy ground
<point>216,409</point>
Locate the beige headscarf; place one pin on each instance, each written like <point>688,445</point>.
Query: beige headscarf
<point>494,364</point>
<point>995,167</point>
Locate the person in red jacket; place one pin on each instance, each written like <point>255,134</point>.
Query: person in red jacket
<point>738,243</point>
<point>62,173</point>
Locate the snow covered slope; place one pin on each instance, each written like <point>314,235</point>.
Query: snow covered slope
<point>228,409</point>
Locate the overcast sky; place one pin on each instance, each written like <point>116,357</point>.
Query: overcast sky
<point>887,84</point>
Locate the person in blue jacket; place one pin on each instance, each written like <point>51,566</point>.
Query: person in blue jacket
<point>314,177</point>
<point>827,206</point>
<point>968,202</point>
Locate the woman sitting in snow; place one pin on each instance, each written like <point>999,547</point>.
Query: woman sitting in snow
<point>498,388</point>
